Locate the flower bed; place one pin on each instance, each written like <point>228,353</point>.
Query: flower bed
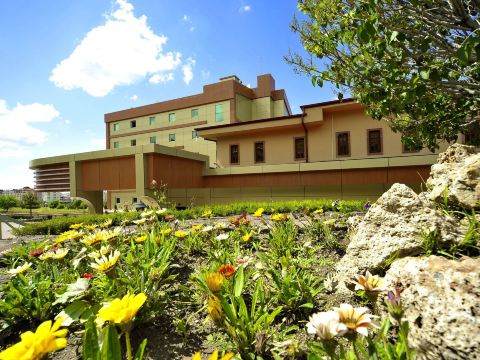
<point>254,285</point>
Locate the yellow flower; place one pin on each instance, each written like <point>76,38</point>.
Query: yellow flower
<point>166,231</point>
<point>196,228</point>
<point>318,211</point>
<point>329,222</point>
<point>355,319</point>
<point>76,226</point>
<point>369,283</point>
<point>214,356</point>
<point>146,214</point>
<point>161,211</point>
<point>180,233</point>
<point>106,263</point>
<point>106,224</point>
<point>214,282</point>
<point>68,235</point>
<point>94,238</point>
<point>215,308</point>
<point>34,346</point>
<point>247,236</point>
<point>56,254</point>
<point>258,212</point>
<point>90,227</point>
<point>141,239</point>
<point>279,217</point>
<point>206,213</point>
<point>104,250</point>
<point>122,311</point>
<point>20,269</point>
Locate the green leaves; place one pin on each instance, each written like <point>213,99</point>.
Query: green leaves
<point>73,291</point>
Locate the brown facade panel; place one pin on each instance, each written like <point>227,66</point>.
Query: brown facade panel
<point>365,176</point>
<point>108,174</point>
<point>173,171</point>
<point>327,177</point>
<point>408,174</point>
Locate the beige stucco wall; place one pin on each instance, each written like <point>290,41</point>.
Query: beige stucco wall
<point>322,140</point>
<point>243,108</point>
<point>279,148</point>
<point>183,136</point>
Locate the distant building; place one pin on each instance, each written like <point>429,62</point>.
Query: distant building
<point>18,193</point>
<point>232,142</point>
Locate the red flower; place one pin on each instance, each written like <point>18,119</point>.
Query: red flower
<point>36,252</point>
<point>87,276</point>
<point>227,271</point>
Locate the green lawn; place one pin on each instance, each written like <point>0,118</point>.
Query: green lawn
<point>45,210</point>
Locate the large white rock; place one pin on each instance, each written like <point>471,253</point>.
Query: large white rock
<point>456,177</point>
<point>392,228</point>
<point>441,301</point>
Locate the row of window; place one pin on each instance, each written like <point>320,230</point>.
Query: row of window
<point>153,139</point>
<point>259,151</point>
<point>374,143</point>
<point>152,120</point>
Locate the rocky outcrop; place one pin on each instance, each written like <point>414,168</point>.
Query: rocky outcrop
<point>456,177</point>
<point>441,301</point>
<point>392,228</point>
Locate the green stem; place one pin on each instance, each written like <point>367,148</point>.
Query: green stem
<point>129,345</point>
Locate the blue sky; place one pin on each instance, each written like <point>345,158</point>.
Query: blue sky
<point>64,64</point>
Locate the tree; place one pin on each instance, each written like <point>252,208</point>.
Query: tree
<point>30,201</point>
<point>412,63</point>
<point>7,202</point>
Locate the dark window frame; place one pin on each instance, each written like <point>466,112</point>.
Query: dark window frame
<point>133,124</point>
<point>154,138</point>
<point>238,154</point>
<point>170,137</point>
<point>133,142</point>
<point>380,131</point>
<point>255,152</point>
<point>337,134</point>
<point>295,148</point>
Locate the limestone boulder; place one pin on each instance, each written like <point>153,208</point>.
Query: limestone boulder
<point>456,177</point>
<point>441,301</point>
<point>392,228</point>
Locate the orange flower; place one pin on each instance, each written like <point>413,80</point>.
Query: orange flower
<point>227,271</point>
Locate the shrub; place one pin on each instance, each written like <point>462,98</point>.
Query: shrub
<point>62,223</point>
<point>7,202</point>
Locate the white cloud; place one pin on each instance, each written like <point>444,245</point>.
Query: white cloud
<point>134,97</point>
<point>13,150</point>
<point>67,122</point>
<point>245,8</point>
<point>16,175</point>
<point>161,78</point>
<point>16,123</point>
<point>186,18</point>
<point>120,52</point>
<point>187,70</point>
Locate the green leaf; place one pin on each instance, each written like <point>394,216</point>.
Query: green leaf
<point>140,350</point>
<point>91,350</point>
<point>74,290</point>
<point>424,74</point>
<point>239,282</point>
<point>73,312</point>
<point>111,349</point>
<point>393,36</point>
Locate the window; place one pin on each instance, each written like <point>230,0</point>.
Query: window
<point>116,145</point>
<point>219,112</point>
<point>234,154</point>
<point>116,127</point>
<point>133,142</point>
<point>259,151</point>
<point>194,134</point>
<point>152,120</point>
<point>299,148</point>
<point>171,117</point>
<point>117,200</point>
<point>374,141</point>
<point>407,148</point>
<point>343,144</point>
<point>171,137</point>
<point>133,123</point>
<point>134,200</point>
<point>194,113</point>
<point>153,139</point>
